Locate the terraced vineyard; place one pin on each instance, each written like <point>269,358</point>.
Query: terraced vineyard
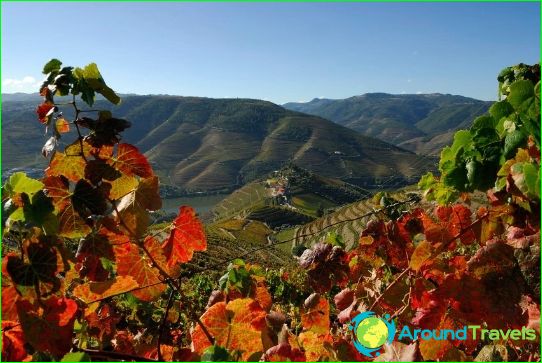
<point>251,196</point>
<point>224,245</point>
<point>346,222</point>
<point>277,216</point>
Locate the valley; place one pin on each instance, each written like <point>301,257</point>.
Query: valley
<point>259,174</point>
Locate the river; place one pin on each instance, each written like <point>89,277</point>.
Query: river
<point>201,204</point>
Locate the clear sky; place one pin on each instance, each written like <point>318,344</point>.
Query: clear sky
<point>275,51</point>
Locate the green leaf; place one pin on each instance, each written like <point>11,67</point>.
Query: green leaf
<point>457,178</point>
<point>485,136</point>
<point>500,109</point>
<point>96,82</point>
<point>20,183</point>
<point>512,141</point>
<point>51,66</point>
<point>76,357</point>
<point>427,181</point>
<point>334,239</point>
<point>520,91</point>
<point>215,353</point>
<point>473,172</point>
<point>483,122</point>
<point>525,177</point>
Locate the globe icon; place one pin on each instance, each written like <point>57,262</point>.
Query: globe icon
<point>372,332</point>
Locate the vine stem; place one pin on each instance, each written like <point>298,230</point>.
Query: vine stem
<point>163,324</point>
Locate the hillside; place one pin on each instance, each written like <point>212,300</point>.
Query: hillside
<point>203,144</point>
<point>421,123</point>
<point>288,197</point>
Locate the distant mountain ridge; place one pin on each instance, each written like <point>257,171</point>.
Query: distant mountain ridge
<point>422,123</point>
<point>203,144</point>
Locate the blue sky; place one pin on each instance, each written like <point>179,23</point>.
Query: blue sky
<point>275,51</point>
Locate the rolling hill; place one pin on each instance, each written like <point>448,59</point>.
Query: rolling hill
<point>421,123</point>
<point>203,144</point>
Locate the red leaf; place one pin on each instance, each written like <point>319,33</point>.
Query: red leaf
<point>45,111</point>
<point>131,162</point>
<point>50,327</point>
<point>10,296</point>
<point>103,325</point>
<point>186,237</point>
<point>12,342</point>
<point>283,352</point>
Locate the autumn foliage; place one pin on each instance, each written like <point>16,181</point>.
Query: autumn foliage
<point>82,267</point>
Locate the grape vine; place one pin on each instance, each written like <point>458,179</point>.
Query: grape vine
<point>82,267</point>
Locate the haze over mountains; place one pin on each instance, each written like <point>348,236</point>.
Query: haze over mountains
<point>423,123</point>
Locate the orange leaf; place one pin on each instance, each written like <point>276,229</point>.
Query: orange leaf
<point>72,167</point>
<point>186,237</point>
<point>50,327</point>
<point>261,294</point>
<point>432,349</point>
<point>316,319</point>
<point>57,188</point>
<point>131,162</point>
<point>84,148</point>
<point>93,291</point>
<point>423,251</point>
<point>12,341</point>
<point>71,225</point>
<point>315,346</point>
<point>62,126</point>
<point>235,326</point>
<point>139,266</point>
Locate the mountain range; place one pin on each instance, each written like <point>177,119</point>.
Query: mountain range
<point>203,144</point>
<point>423,123</point>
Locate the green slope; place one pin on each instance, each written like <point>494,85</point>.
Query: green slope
<point>399,119</point>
